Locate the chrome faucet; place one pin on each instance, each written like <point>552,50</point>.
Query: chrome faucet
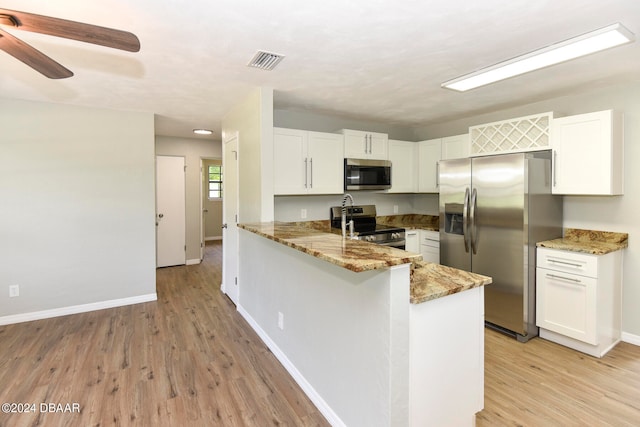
<point>344,217</point>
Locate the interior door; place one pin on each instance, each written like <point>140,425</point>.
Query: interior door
<point>230,220</point>
<point>170,211</point>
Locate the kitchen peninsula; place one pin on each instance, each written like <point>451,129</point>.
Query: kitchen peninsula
<point>373,335</point>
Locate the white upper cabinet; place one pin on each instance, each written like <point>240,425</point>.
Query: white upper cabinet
<point>404,174</point>
<point>455,147</point>
<point>429,154</point>
<point>326,164</point>
<point>588,152</point>
<point>307,162</point>
<point>365,145</point>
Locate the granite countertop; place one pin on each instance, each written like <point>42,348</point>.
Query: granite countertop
<point>429,281</point>
<point>588,241</point>
<point>354,255</point>
<point>423,222</point>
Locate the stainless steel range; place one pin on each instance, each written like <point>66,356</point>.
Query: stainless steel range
<point>364,224</point>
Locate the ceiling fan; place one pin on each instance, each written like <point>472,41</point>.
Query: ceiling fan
<point>40,62</point>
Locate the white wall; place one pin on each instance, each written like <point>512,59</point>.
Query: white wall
<point>77,217</point>
<point>252,120</point>
<point>345,334</point>
<point>317,122</point>
<point>617,213</point>
<point>193,150</point>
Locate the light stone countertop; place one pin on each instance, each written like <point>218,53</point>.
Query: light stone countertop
<point>415,221</point>
<point>588,241</point>
<point>429,281</point>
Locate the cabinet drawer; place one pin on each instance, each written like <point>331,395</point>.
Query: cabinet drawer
<point>568,262</point>
<point>430,238</point>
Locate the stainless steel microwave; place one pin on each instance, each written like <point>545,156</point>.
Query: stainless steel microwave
<point>364,174</point>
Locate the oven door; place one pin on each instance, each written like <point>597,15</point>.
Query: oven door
<point>362,174</point>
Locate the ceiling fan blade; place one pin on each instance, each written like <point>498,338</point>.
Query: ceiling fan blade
<point>80,31</point>
<point>32,57</point>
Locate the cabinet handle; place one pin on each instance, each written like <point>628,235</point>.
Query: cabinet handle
<point>366,145</point>
<point>554,166</point>
<point>311,174</point>
<point>571,264</point>
<point>306,175</point>
<point>437,174</point>
<point>569,279</point>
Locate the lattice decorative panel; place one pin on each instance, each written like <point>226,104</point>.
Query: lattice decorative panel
<point>529,133</point>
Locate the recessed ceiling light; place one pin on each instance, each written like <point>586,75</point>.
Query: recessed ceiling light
<point>202,131</point>
<point>594,41</point>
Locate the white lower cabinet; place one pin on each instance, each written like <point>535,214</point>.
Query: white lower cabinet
<point>579,298</point>
<point>412,240</point>
<point>424,242</point>
<point>430,246</point>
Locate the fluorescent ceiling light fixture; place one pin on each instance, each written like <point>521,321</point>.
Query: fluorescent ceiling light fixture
<point>202,131</point>
<point>594,41</point>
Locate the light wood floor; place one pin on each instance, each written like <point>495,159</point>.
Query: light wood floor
<point>190,359</point>
<point>541,383</point>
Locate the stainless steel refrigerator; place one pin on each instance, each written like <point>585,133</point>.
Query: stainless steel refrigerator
<point>493,210</point>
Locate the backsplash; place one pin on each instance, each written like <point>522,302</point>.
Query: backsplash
<point>289,208</point>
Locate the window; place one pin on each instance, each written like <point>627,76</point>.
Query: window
<point>215,181</point>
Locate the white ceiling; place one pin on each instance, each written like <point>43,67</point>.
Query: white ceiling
<point>378,60</point>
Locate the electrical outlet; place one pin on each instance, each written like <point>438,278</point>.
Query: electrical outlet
<point>303,213</point>
<point>280,320</point>
<point>14,291</point>
<point>395,209</point>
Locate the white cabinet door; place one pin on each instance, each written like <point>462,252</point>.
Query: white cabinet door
<point>412,241</point>
<point>378,146</point>
<point>566,304</point>
<point>588,154</point>
<point>429,153</point>
<point>325,163</point>
<point>455,147</point>
<point>404,176</point>
<point>430,246</point>
<point>365,145</point>
<point>290,161</point>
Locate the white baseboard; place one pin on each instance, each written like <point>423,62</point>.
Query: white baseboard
<point>206,239</point>
<point>307,388</point>
<point>193,261</point>
<point>630,338</point>
<point>75,309</point>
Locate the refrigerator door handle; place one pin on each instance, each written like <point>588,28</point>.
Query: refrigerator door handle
<point>472,215</point>
<point>465,220</point>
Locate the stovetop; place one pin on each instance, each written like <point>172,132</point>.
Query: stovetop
<point>364,220</point>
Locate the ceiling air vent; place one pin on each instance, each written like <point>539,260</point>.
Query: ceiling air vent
<point>265,60</point>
